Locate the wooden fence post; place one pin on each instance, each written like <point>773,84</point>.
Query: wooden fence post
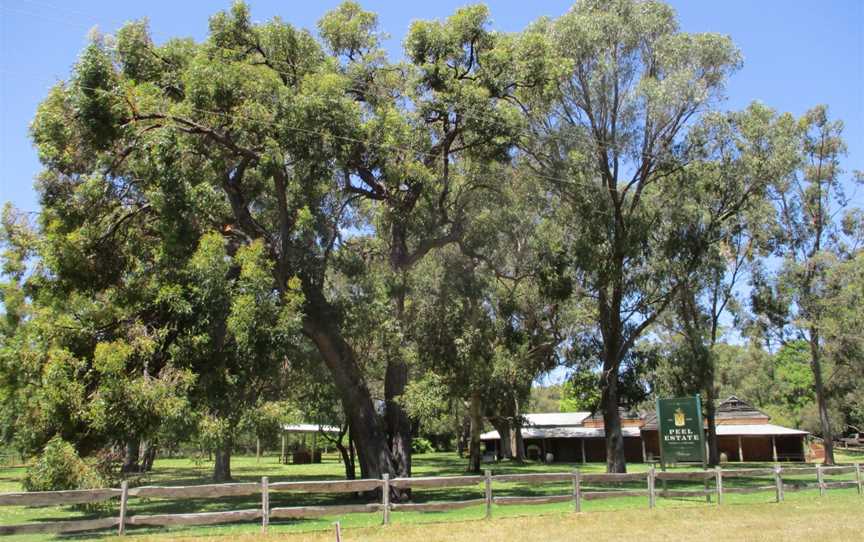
<point>651,483</point>
<point>577,491</point>
<point>385,499</point>
<point>778,481</point>
<point>718,483</point>
<point>820,479</point>
<point>265,503</point>
<point>858,478</point>
<point>124,500</point>
<point>488,493</point>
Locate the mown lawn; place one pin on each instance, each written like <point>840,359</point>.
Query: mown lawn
<point>465,521</point>
<point>835,518</point>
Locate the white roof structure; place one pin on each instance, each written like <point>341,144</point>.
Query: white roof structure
<point>756,429</point>
<point>562,432</point>
<point>557,419</point>
<point>309,428</point>
<point>548,425</point>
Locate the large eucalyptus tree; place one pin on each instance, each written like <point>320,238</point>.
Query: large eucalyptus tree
<point>756,146</point>
<point>611,143</point>
<point>817,229</point>
<point>432,128</point>
<point>278,139</point>
<point>250,125</point>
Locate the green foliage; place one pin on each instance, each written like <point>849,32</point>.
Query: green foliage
<point>348,30</point>
<point>545,398</point>
<point>59,468</point>
<point>793,375</point>
<point>420,445</point>
<point>266,226</point>
<point>580,393</point>
<point>214,432</point>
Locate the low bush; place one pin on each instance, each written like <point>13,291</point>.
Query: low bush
<point>59,467</point>
<point>420,445</point>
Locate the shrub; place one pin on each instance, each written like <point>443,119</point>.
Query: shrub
<point>108,467</point>
<point>420,445</point>
<point>58,468</point>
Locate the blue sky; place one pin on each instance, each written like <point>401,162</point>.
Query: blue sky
<point>797,53</point>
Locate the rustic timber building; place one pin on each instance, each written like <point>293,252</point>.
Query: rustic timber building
<point>744,434</point>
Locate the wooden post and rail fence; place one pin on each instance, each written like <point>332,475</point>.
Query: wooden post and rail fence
<point>265,513</point>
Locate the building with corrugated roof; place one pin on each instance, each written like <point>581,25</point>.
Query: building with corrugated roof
<point>744,434</point>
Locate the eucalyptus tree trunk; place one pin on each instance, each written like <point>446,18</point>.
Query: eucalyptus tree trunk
<point>463,442</point>
<point>821,403</point>
<point>615,459</point>
<point>518,444</point>
<point>347,455</point>
<point>476,427</point>
<point>710,387</point>
<point>347,460</point>
<point>711,416</point>
<point>398,423</point>
<point>352,455</point>
<point>366,428</point>
<point>131,455</point>
<point>611,328</point>
<point>505,440</point>
<point>222,465</point>
<point>149,456</point>
<point>396,375</point>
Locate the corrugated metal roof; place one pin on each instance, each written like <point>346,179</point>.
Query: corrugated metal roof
<point>558,419</point>
<point>623,413</point>
<point>757,429</point>
<point>563,432</point>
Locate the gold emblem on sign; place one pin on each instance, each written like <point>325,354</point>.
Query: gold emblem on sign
<point>679,417</point>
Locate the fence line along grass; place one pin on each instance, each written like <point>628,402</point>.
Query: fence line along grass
<point>808,518</point>
<point>579,487</point>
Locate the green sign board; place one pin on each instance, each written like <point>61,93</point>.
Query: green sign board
<point>679,425</point>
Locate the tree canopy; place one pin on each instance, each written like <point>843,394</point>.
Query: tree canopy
<point>278,223</point>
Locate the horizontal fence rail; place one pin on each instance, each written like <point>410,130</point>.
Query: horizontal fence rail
<point>385,486</point>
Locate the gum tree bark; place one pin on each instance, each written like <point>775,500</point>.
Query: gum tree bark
<point>476,428</point>
<point>366,428</point>
<point>505,448</point>
<point>222,465</point>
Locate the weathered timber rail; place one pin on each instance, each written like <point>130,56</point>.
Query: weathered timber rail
<point>383,487</point>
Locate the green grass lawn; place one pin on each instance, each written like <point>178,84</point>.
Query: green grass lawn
<point>185,472</point>
<point>835,518</point>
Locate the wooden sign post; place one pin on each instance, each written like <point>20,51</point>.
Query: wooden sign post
<point>681,431</point>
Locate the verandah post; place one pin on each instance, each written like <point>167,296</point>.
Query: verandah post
<point>124,500</point>
<point>778,481</point>
<point>265,503</point>
<point>385,498</point>
<point>718,483</point>
<point>577,491</point>
<point>488,492</point>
